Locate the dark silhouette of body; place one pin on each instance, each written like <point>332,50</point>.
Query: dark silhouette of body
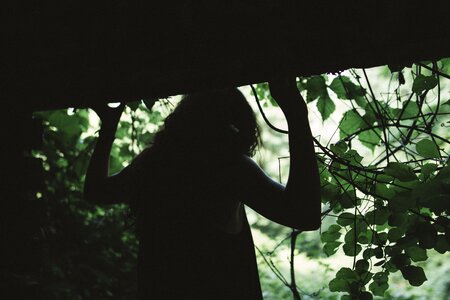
<point>188,191</point>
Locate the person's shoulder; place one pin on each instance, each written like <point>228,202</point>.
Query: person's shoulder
<point>240,166</point>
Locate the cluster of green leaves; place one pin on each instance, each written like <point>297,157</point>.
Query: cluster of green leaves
<point>88,251</point>
<point>391,207</point>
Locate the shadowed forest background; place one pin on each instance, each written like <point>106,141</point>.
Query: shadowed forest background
<point>382,144</point>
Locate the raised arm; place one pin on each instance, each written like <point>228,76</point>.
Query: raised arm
<point>99,187</point>
<point>297,204</point>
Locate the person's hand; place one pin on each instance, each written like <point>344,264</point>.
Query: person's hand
<point>109,116</point>
<point>284,91</point>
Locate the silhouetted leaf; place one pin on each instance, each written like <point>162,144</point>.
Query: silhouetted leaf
<point>400,260</point>
<point>428,168</point>
<point>325,106</point>
<point>339,285</point>
<point>415,275</point>
<point>442,245</point>
<point>351,249</point>
<point>345,89</point>
<point>378,287</point>
<point>422,83</point>
<point>350,123</point>
<point>416,253</point>
<point>316,87</point>
<point>361,266</point>
<point>427,149</point>
<point>427,235</point>
<point>331,234</point>
<point>365,296</point>
<point>331,247</point>
<point>400,171</point>
<point>370,138</point>
<point>379,216</point>
<point>345,219</point>
<point>395,234</point>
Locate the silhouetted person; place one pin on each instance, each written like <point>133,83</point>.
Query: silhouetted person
<point>188,191</point>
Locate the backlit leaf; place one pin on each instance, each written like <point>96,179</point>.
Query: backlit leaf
<point>422,83</point>
<point>415,275</point>
<point>427,149</point>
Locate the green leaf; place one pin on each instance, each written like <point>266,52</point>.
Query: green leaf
<point>380,239</point>
<point>401,203</point>
<point>395,234</point>
<point>368,253</point>
<point>365,276</point>
<point>330,248</point>
<point>407,241</point>
<point>325,106</point>
<point>393,250</point>
<point>427,235</point>
<point>370,138</point>
<point>346,219</point>
<point>361,266</point>
<point>351,250</point>
<point>378,287</point>
<point>353,157</point>
<point>316,87</point>
<point>365,237</point>
<point>339,285</point>
<point>347,274</point>
<point>416,253</point>
<point>350,236</point>
<point>348,199</point>
<point>422,83</point>
<point>350,123</point>
<point>427,149</point>
<point>442,245</point>
<point>379,216</point>
<point>329,192</point>
<point>365,296</point>
<point>331,234</point>
<point>345,89</point>
<point>64,122</point>
<point>411,110</point>
<point>402,172</point>
<point>339,148</point>
<point>382,190</point>
<point>415,275</point>
<point>400,260</point>
<point>381,277</point>
<point>427,169</point>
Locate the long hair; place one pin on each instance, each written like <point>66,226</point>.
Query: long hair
<point>213,124</point>
<point>212,121</point>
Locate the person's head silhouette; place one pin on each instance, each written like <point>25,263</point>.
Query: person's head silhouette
<point>211,122</point>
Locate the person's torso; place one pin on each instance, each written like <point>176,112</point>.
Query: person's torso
<point>195,241</point>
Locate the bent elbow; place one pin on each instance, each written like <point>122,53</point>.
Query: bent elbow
<point>309,222</point>
<point>307,226</point>
<point>310,226</point>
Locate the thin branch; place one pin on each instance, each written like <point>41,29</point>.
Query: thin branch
<point>434,69</point>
